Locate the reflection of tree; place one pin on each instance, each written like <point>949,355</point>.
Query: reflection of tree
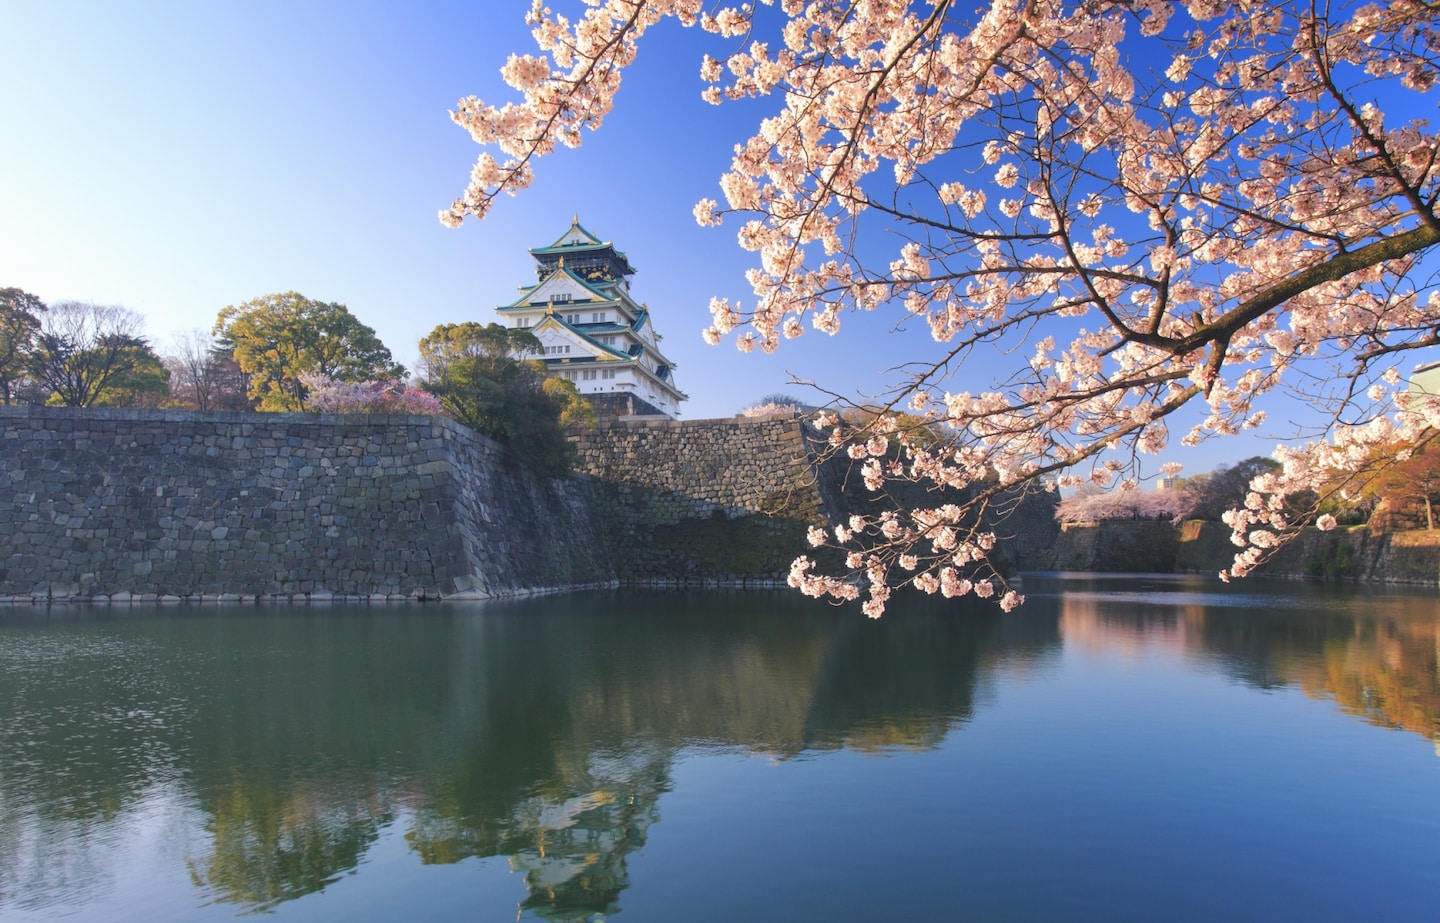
<point>272,843</point>
<point>541,731</point>
<point>1377,656</point>
<point>544,731</point>
<point>908,684</point>
<point>1386,673</point>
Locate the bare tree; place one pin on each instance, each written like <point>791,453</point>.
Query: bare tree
<point>82,348</point>
<point>204,374</point>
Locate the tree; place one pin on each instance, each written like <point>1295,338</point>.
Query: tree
<point>1411,474</point>
<point>1154,204</point>
<point>391,396</point>
<point>20,314</point>
<point>276,338</point>
<point>575,410</point>
<point>773,405</point>
<point>1226,487</point>
<point>142,379</point>
<point>1129,503</point>
<point>204,374</point>
<point>86,354</point>
<point>481,380</point>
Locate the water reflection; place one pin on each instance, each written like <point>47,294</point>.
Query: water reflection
<point>1375,653</point>
<point>276,746</point>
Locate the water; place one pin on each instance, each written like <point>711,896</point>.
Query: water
<point>1121,748</point>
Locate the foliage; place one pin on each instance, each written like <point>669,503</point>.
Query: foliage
<point>473,371</point>
<point>20,314</point>
<point>575,411</point>
<point>773,405</point>
<point>276,338</point>
<point>327,396</point>
<point>1332,560</point>
<point>1411,473</point>
<point>85,354</point>
<point>1153,205</point>
<point>204,374</point>
<point>1123,504</point>
<point>1214,494</point>
<point>141,379</point>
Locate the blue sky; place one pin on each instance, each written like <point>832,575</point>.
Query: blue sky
<point>180,157</point>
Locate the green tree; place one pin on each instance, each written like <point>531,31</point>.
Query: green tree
<point>1225,488</point>
<point>474,372</point>
<point>20,314</point>
<point>278,337</point>
<point>574,409</point>
<point>141,379</point>
<point>86,355</point>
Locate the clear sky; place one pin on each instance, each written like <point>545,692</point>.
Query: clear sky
<point>180,157</point>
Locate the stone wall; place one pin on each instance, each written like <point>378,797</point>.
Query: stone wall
<point>1205,548</point>
<point>706,500</point>
<point>1112,546</point>
<point>179,504</point>
<point>122,504</point>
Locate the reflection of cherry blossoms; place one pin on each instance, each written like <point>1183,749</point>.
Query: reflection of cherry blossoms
<point>1151,204</point>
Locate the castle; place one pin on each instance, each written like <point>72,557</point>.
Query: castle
<point>592,331</point>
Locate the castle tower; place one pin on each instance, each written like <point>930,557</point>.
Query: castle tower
<point>591,329</point>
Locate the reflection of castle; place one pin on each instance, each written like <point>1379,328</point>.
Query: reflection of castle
<point>575,863</point>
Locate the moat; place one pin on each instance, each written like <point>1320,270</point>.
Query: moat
<point>1120,747</point>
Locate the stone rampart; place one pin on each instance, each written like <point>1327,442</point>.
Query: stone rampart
<point>1205,548</point>
<point>169,503</point>
<point>121,504</point>
<point>724,500</point>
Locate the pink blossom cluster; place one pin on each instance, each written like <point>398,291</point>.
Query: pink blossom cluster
<point>1123,504</point>
<point>328,396</point>
<point>1151,204</point>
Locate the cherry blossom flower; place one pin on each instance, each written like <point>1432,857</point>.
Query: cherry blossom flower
<point>1194,204</point>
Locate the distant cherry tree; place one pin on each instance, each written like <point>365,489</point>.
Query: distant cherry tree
<point>376,396</point>
<point>1128,503</point>
<point>1151,205</point>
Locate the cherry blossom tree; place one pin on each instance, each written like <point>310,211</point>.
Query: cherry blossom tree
<point>1152,204</point>
<point>1129,502</point>
<point>326,395</point>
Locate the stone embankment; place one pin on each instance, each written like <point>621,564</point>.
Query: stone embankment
<point>109,504</point>
<point>1205,548</point>
<point>130,504</point>
<point>715,501</point>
